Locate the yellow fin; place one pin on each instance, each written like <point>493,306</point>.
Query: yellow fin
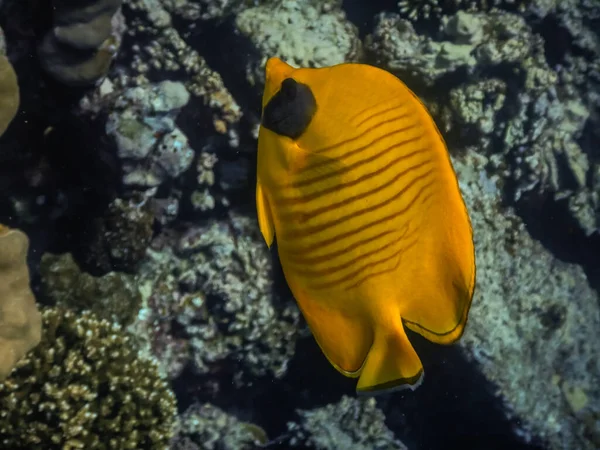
<point>265,218</point>
<point>392,364</point>
<point>344,337</point>
<point>439,291</point>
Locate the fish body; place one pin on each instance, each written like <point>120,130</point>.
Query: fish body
<point>354,179</point>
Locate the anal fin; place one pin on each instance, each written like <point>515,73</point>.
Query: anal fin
<point>343,335</point>
<point>392,364</point>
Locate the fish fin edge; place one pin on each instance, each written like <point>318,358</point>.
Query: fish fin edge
<point>455,333</point>
<point>393,386</point>
<point>344,340</point>
<point>392,364</point>
<point>265,218</point>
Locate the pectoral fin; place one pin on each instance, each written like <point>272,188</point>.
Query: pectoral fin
<point>265,218</point>
<point>344,337</point>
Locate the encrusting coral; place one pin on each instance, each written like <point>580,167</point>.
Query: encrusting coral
<point>85,387</point>
<point>20,321</point>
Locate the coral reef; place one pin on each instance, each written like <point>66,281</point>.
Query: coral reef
<point>206,427</point>
<point>435,9</point>
<point>83,41</point>
<point>577,64</point>
<point>20,321</point>
<point>351,423</point>
<point>533,318</point>
<point>85,387</point>
<point>9,89</point>
<point>513,103</point>
<point>114,297</point>
<point>304,34</point>
<point>169,248</point>
<point>168,51</point>
<point>208,299</point>
<point>121,236</point>
<point>152,147</point>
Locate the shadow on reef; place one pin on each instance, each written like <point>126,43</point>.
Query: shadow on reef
<point>455,407</point>
<point>548,220</point>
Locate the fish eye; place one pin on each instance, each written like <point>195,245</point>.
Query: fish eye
<point>289,89</point>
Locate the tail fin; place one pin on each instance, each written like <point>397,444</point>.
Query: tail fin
<point>392,364</point>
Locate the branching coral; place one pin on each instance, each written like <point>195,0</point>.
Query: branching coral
<point>20,322</point>
<point>85,387</point>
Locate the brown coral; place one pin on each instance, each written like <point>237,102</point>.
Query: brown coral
<point>20,321</point>
<point>9,94</point>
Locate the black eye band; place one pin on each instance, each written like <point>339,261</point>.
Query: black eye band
<point>290,111</point>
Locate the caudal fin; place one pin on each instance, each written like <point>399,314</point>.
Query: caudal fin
<point>392,364</point>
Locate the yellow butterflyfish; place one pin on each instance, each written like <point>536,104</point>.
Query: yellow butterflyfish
<point>355,180</point>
